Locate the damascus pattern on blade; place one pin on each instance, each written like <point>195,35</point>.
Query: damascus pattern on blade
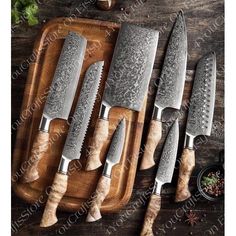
<point>66,76</point>
<point>171,85</point>
<point>83,111</point>
<point>117,143</point>
<point>167,163</point>
<point>131,67</point>
<point>202,101</point>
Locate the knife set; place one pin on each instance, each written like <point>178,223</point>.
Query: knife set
<point>126,87</point>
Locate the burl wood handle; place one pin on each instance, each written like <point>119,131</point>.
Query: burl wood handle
<point>154,136</point>
<point>40,146</point>
<point>153,209</point>
<point>102,190</point>
<point>99,138</point>
<point>187,164</point>
<point>58,189</point>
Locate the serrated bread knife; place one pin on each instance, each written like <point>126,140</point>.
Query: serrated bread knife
<point>103,186</point>
<point>170,89</point>
<point>199,122</point>
<point>127,83</point>
<point>59,99</point>
<point>164,175</point>
<point>74,140</point>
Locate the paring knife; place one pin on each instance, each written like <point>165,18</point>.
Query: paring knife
<point>170,89</point>
<point>113,158</point>
<point>199,120</point>
<point>59,99</point>
<point>164,175</point>
<point>128,79</point>
<point>74,140</point>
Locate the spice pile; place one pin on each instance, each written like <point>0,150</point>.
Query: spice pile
<point>213,183</point>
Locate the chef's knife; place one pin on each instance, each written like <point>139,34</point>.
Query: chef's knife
<point>113,158</point>
<point>164,175</point>
<point>199,120</point>
<point>59,99</point>
<point>170,89</point>
<point>74,140</point>
<point>127,82</point>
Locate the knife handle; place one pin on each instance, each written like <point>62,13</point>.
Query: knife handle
<point>153,138</point>
<point>102,190</point>
<point>187,164</point>
<point>100,136</point>
<point>58,190</point>
<point>153,209</point>
<point>40,146</point>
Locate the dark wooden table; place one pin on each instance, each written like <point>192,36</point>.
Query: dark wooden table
<point>205,23</point>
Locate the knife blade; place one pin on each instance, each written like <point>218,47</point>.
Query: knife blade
<point>103,186</point>
<point>74,140</point>
<point>127,81</point>
<point>171,86</point>
<point>164,175</point>
<point>199,120</point>
<point>59,99</point>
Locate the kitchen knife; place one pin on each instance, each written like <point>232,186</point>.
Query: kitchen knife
<point>164,175</point>
<point>59,99</point>
<point>170,89</point>
<point>113,158</point>
<point>199,120</point>
<point>127,82</point>
<point>74,140</point>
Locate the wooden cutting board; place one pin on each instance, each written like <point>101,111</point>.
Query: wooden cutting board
<point>101,38</point>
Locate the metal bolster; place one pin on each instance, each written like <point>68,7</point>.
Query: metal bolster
<point>104,111</point>
<point>107,170</point>
<point>64,165</point>
<point>156,114</point>
<point>189,141</point>
<point>157,187</point>
<point>44,124</point>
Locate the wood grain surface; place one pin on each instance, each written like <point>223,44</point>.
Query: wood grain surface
<point>81,183</point>
<point>205,23</point>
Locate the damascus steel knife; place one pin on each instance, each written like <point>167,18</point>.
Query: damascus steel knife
<point>164,175</point>
<point>103,186</point>
<point>59,99</point>
<point>199,122</point>
<point>127,83</point>
<point>74,140</point>
<point>170,89</point>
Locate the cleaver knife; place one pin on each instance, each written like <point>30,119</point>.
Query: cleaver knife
<point>199,120</point>
<point>170,89</point>
<point>74,141</point>
<point>164,175</point>
<point>113,158</point>
<point>59,99</point>
<point>127,83</point>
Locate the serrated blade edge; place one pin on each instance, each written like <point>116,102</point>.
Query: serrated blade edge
<point>83,112</point>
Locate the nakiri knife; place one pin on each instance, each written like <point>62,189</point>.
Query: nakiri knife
<point>127,83</point>
<point>103,186</point>
<point>74,141</point>
<point>164,175</point>
<point>199,121</point>
<point>170,89</point>
<point>60,98</point>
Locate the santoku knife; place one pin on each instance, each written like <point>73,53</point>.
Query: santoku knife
<point>74,140</point>
<point>113,158</point>
<point>127,82</point>
<point>59,99</point>
<point>164,175</point>
<point>199,120</point>
<point>170,89</point>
